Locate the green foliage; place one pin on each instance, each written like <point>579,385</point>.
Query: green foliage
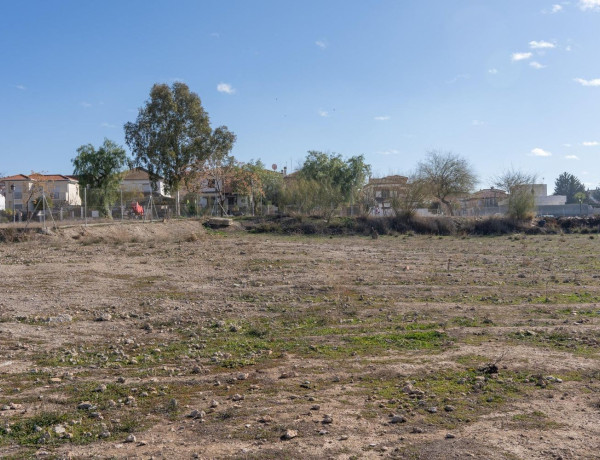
<point>331,169</point>
<point>270,182</point>
<point>101,171</point>
<point>309,196</point>
<point>567,184</point>
<point>324,183</point>
<point>447,176</point>
<point>521,201</point>
<point>172,135</point>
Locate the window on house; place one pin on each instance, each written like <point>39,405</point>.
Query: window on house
<point>18,195</point>
<point>56,194</point>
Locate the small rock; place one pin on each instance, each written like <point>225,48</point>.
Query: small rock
<point>59,429</point>
<point>237,397</point>
<point>416,429</point>
<point>214,403</point>
<point>449,408</point>
<point>242,376</point>
<point>432,410</point>
<point>397,419</point>
<point>130,438</point>
<point>287,375</point>
<point>85,405</point>
<point>343,437</point>
<point>450,436</point>
<point>327,419</point>
<point>289,434</point>
<point>197,414</point>
<point>105,434</point>
<point>315,407</point>
<point>104,317</point>
<point>100,388</point>
<point>64,318</point>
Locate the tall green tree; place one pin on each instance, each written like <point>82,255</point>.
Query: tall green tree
<point>331,169</point>
<point>172,137</point>
<point>567,184</point>
<point>270,183</point>
<point>101,171</point>
<point>447,175</point>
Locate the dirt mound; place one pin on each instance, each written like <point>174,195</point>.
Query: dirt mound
<point>167,231</point>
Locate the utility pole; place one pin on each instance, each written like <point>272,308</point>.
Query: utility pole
<point>12,189</point>
<point>85,203</point>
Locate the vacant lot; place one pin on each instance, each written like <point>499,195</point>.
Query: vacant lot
<point>219,345</point>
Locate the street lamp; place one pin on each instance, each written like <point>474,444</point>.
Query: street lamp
<point>12,190</point>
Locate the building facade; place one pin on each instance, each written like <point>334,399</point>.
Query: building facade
<point>23,192</point>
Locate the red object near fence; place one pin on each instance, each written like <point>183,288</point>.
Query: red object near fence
<point>137,209</point>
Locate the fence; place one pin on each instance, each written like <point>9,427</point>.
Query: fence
<point>95,205</point>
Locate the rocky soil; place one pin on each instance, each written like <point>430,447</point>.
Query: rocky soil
<point>167,340</point>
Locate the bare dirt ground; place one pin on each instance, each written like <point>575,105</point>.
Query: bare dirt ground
<point>170,341</point>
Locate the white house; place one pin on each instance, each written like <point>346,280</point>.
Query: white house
<point>138,180</point>
<point>2,202</point>
<point>22,191</point>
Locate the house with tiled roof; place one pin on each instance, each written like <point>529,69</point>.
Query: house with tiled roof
<point>138,180</point>
<point>22,192</point>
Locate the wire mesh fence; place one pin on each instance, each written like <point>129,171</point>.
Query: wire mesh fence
<point>96,206</point>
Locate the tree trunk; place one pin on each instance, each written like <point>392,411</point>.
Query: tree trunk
<point>448,205</point>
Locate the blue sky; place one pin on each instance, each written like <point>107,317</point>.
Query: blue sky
<point>508,83</point>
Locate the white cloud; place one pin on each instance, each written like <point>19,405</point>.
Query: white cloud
<point>568,48</point>
<point>538,152</point>
<point>323,113</point>
<point>520,56</point>
<point>478,123</point>
<point>321,44</point>
<point>535,45</point>
<point>383,118</point>
<point>590,143</point>
<point>537,65</point>
<point>556,9</point>
<point>21,87</point>
<point>593,5</point>
<point>462,76</point>
<point>594,82</point>
<point>566,145</point>
<point>107,125</point>
<point>225,88</point>
<point>571,157</point>
<point>86,104</point>
<point>493,71</point>
<point>389,152</point>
